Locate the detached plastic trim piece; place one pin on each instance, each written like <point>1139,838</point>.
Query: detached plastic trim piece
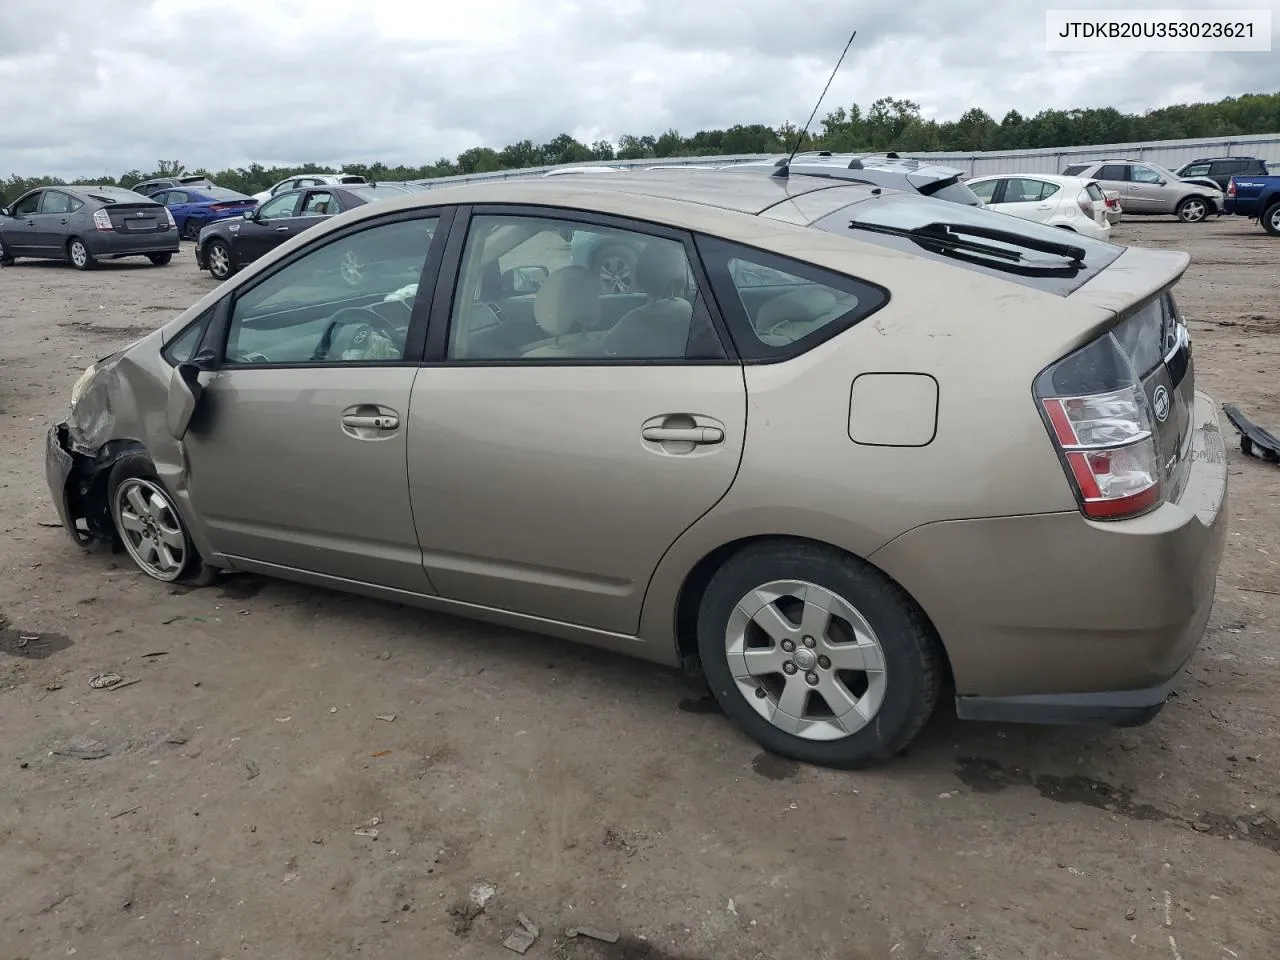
<point>1255,441</point>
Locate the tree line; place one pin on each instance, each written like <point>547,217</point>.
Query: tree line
<point>889,124</point>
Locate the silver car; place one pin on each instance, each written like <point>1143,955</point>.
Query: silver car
<point>1149,189</point>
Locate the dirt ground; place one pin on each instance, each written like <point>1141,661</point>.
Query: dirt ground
<point>216,817</point>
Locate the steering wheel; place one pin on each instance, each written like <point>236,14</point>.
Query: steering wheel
<point>352,315</point>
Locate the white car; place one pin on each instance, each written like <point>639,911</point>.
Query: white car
<point>308,180</point>
<point>1072,203</point>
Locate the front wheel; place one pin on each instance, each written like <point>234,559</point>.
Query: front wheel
<point>1271,219</point>
<point>160,259</point>
<point>6,258</point>
<point>79,255</point>
<point>217,257</point>
<point>1192,210</point>
<point>150,526</point>
<point>817,655</point>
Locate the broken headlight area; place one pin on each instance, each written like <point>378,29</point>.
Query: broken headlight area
<point>83,478</point>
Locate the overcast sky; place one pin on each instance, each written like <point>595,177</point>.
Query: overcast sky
<point>103,86</point>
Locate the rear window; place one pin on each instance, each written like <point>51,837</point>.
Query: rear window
<point>954,192</point>
<point>1113,171</point>
<point>112,195</point>
<point>891,219</point>
<point>351,178</point>
<point>222,193</point>
<point>1095,192</point>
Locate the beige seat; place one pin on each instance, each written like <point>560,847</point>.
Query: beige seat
<point>567,309</point>
<point>660,328</point>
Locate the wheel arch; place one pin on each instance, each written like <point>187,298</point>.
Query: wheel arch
<point>86,491</point>
<point>694,585</point>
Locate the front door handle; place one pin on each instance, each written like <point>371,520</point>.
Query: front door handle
<point>683,434</point>
<point>282,229</point>
<point>377,422</point>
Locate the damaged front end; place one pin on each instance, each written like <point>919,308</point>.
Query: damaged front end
<point>81,450</point>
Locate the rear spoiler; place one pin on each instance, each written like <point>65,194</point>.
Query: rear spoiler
<point>1136,275</point>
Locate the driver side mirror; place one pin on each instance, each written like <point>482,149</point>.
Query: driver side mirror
<point>185,391</point>
<point>251,214</point>
<point>4,212</point>
<point>524,280</point>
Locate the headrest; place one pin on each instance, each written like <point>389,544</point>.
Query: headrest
<point>569,299</point>
<point>804,303</point>
<point>662,269</point>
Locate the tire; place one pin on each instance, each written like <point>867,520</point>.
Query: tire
<point>873,714</point>
<point>79,255</point>
<point>217,259</point>
<point>615,265</point>
<point>6,258</point>
<point>160,259</point>
<point>1271,219</point>
<point>149,526</point>
<point>190,229</point>
<point>1193,209</point>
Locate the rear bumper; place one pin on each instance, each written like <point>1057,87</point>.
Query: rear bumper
<point>107,244</point>
<point>1054,618</point>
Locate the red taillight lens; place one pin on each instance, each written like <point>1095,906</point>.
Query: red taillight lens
<point>102,221</point>
<point>1231,187</point>
<point>1105,436</point>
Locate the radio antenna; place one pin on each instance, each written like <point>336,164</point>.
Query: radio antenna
<point>783,170</point>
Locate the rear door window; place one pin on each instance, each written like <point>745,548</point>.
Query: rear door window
<point>778,308</point>
<point>55,201</point>
<point>1202,169</point>
<point>1113,171</point>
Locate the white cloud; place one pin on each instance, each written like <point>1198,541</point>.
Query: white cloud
<point>95,86</point>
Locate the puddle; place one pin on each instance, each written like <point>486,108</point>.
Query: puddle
<point>772,767</point>
<point>982,775</point>
<point>31,644</point>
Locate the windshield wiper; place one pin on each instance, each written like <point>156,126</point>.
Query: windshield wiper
<point>948,238</point>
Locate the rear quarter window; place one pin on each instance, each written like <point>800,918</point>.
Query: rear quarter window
<point>777,308</point>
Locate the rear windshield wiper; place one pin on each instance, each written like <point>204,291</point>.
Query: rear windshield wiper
<point>948,238</point>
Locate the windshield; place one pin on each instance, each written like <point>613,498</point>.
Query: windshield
<point>889,220</point>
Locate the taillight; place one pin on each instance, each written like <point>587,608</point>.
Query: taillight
<point>1086,204</point>
<point>168,215</point>
<point>1100,421</point>
<point>1231,187</point>
<point>102,220</point>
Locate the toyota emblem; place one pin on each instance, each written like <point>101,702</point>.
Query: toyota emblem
<point>1160,403</point>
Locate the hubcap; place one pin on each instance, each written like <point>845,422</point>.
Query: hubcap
<point>78,254</point>
<point>806,660</point>
<point>1275,219</point>
<point>150,528</point>
<point>1194,210</point>
<point>615,275</point>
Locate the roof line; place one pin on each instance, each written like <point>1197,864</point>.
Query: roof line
<point>791,196</point>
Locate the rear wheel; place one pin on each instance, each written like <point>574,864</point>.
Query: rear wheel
<point>160,259</point>
<point>817,655</point>
<point>79,255</point>
<point>1271,220</point>
<point>190,229</point>
<point>1192,210</point>
<point>217,257</point>
<point>150,527</point>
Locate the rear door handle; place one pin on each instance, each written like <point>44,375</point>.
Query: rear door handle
<point>683,434</point>
<point>282,229</point>
<point>378,422</point>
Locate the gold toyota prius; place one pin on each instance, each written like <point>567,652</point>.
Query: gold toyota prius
<point>828,446</point>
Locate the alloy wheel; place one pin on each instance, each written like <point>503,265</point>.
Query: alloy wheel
<point>150,528</point>
<point>615,275</point>
<point>806,660</point>
<point>219,261</point>
<point>1193,211</point>
<point>79,254</point>
<point>1275,219</point>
